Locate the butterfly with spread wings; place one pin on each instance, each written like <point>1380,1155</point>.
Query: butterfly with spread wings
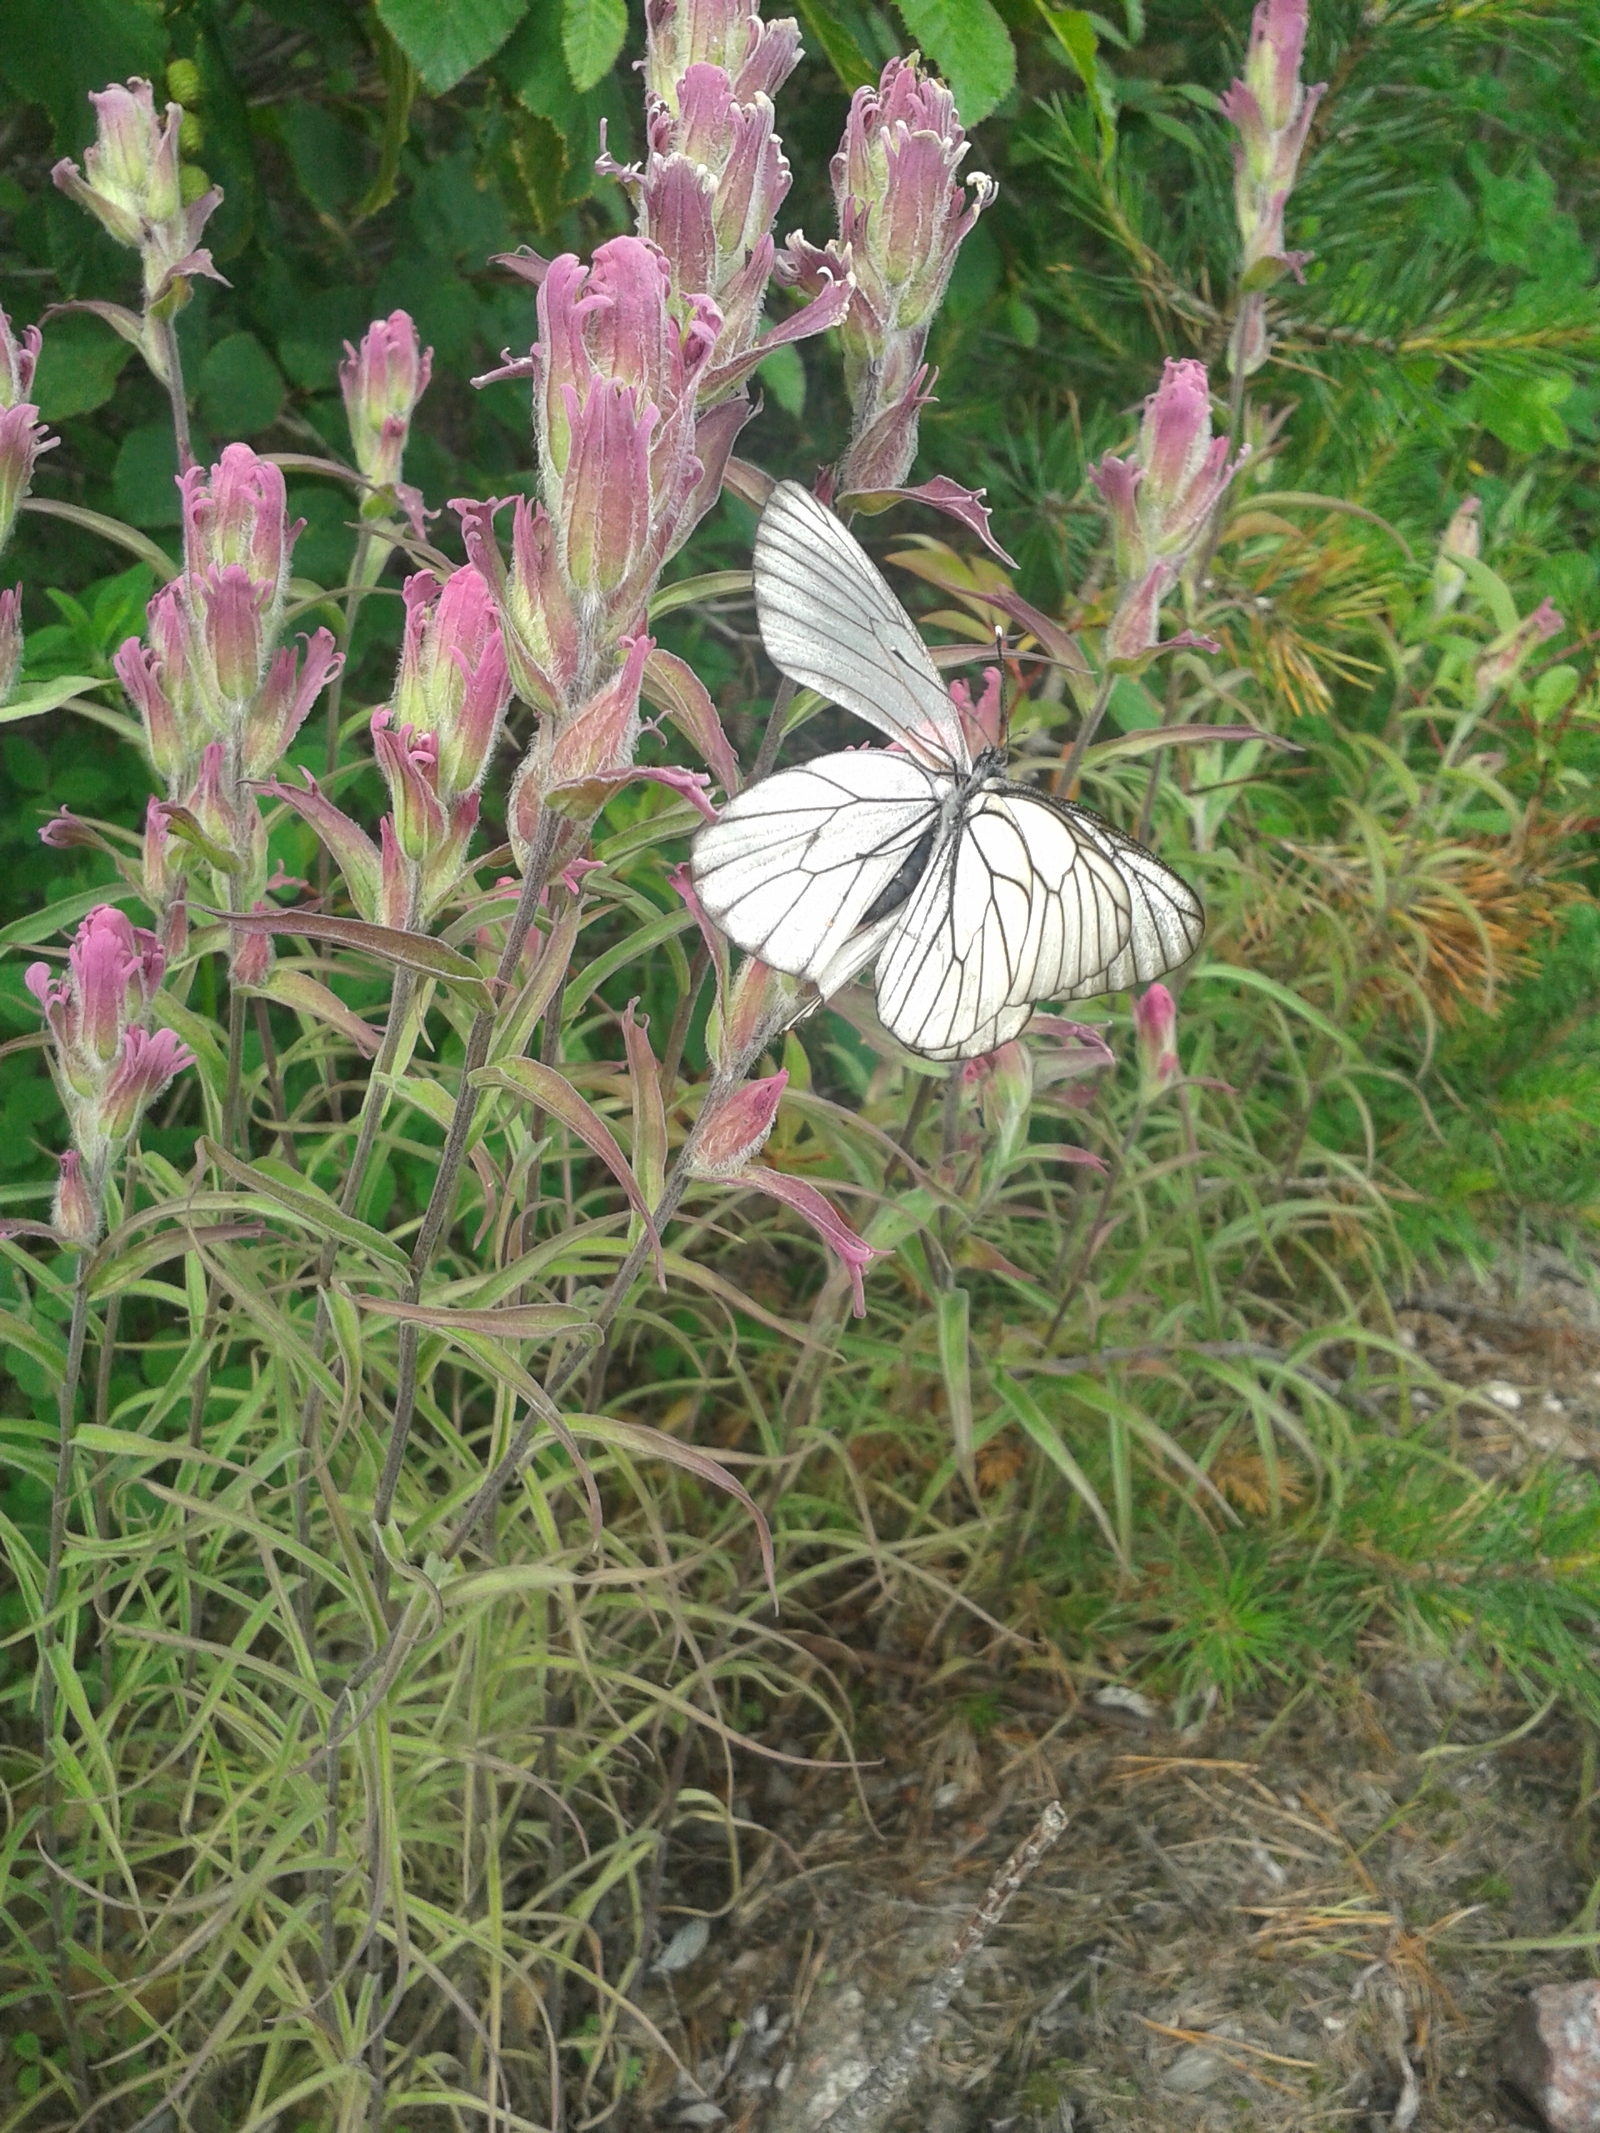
<point>977,897</point>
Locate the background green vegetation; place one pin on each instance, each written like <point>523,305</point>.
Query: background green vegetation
<point>1403,1067</point>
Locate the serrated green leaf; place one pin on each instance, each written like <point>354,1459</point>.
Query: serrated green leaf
<point>971,47</point>
<point>446,39</point>
<point>592,32</point>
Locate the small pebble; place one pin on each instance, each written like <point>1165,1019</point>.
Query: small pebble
<point>1503,1395</point>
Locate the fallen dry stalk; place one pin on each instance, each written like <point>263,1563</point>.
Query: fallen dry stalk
<point>868,2106</point>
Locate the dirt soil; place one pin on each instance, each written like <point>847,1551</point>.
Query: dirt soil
<point>1289,1921</point>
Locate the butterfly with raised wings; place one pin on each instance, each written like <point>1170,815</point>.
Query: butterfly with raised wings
<point>977,897</point>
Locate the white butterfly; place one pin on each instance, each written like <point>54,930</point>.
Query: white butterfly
<point>977,896</point>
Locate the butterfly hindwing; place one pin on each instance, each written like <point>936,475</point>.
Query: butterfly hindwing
<point>796,865</point>
<point>829,622</point>
<point>1029,900</point>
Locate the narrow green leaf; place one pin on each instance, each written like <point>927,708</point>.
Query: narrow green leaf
<point>971,47</point>
<point>31,697</point>
<point>41,926</point>
<point>410,951</point>
<point>1035,1425</point>
<point>954,1313</point>
<point>109,529</point>
<point>837,44</point>
<point>592,32</point>
<point>710,585</point>
<point>552,1092</point>
<point>519,1322</point>
<point>307,1203</point>
<point>1145,740</point>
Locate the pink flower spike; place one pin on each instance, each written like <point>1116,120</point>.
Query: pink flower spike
<point>854,1252</point>
<point>1155,1022</point>
<point>232,602</point>
<point>382,383</point>
<point>1272,65</point>
<point>739,1128</point>
<point>237,512</point>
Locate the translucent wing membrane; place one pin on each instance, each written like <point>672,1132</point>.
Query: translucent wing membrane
<point>830,622</point>
<point>1028,901</point>
<point>798,865</point>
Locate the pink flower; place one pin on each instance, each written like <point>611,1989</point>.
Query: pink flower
<point>237,512</point>
<point>756,56</point>
<point>23,437</point>
<point>281,707</point>
<point>410,762</point>
<point>600,740</point>
<point>159,682</point>
<point>738,1129</point>
<point>18,360</point>
<point>539,631</point>
<point>131,182</point>
<point>452,681</point>
<point>1271,112</point>
<point>76,1216</point>
<point>1501,663</point>
<point>1155,1023</point>
<point>382,383</point>
<point>148,1061</point>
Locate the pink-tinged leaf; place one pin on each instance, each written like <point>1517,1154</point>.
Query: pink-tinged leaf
<point>309,996</point>
<point>1062,1152</point>
<point>823,311</point>
<point>1057,641</point>
<point>1144,740</point>
<point>20,1226</point>
<point>410,951</point>
<point>542,1085</point>
<point>673,686</point>
<point>830,1225</point>
<point>516,1322</point>
<point>941,494</point>
<point>687,784</point>
<point>975,1253</point>
<point>640,1438</point>
<point>752,485</point>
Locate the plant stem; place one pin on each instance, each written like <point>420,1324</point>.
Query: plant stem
<point>772,739</point>
<point>172,362</point>
<point>1086,733</point>
<point>359,584</point>
<point>60,1504</point>
<point>442,1199</point>
<point>280,1110</point>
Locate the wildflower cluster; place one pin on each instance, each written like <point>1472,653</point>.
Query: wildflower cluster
<point>219,697</point>
<point>903,213</point>
<point>22,438</point>
<point>1161,500</point>
<point>108,1063</point>
<point>1271,110</point>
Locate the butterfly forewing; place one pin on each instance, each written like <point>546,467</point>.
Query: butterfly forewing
<point>793,868</point>
<point>830,622</point>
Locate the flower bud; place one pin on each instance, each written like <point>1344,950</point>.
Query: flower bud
<point>1155,1023</point>
<point>291,687</point>
<point>10,642</point>
<point>382,383</point>
<point>1462,539</point>
<point>409,761</point>
<point>452,682</point>
<point>750,1011</point>
<point>75,1216</point>
<point>251,958</point>
<point>22,438</point>
<point>1005,1092</point>
<point>18,361</point>
<point>237,514</point>
<point>160,685</point>
<point>539,632</point>
<point>1500,664</point>
<point>148,1061</point>
<point>738,1128</point>
<point>1136,625</point>
<point>1271,112</point>
<point>132,184</point>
